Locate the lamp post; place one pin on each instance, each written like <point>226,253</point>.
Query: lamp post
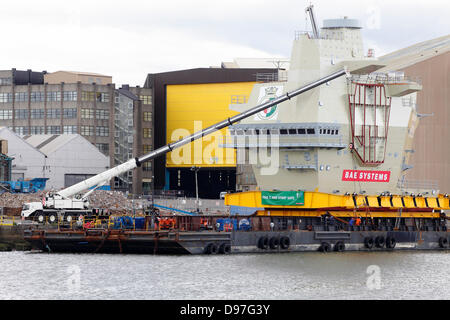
<point>195,169</point>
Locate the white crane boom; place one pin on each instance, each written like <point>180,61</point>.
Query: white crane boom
<point>133,163</point>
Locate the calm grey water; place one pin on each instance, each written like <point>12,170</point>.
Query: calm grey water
<point>402,275</point>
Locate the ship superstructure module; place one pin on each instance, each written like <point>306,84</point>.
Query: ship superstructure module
<point>329,157</point>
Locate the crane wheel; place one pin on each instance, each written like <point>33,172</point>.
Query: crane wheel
<point>40,217</point>
<point>52,218</point>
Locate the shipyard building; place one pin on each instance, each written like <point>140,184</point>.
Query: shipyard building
<point>67,102</point>
<point>186,101</point>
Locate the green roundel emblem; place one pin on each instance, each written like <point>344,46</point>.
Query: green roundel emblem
<point>270,93</point>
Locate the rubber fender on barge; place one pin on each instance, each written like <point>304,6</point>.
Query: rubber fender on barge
<point>379,242</point>
<point>443,242</point>
<point>325,247</point>
<point>263,243</point>
<point>368,242</point>
<point>390,242</point>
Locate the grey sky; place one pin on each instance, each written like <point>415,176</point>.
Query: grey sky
<point>128,39</point>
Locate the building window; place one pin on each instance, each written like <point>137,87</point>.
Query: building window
<point>102,97</point>
<point>53,113</point>
<point>102,131</point>
<point>147,166</point>
<point>54,96</point>
<point>70,96</point>
<point>147,116</point>
<point>21,131</point>
<point>103,147</point>
<point>87,130</point>
<point>88,96</point>
<point>5,114</point>
<point>21,114</point>
<point>146,99</point>
<point>53,130</point>
<point>70,129</point>
<point>37,113</point>
<point>147,133</point>
<point>146,148</point>
<point>5,81</point>
<point>102,114</point>
<point>69,113</point>
<point>87,113</point>
<point>37,130</point>
<point>37,97</point>
<point>6,97</point>
<point>21,96</point>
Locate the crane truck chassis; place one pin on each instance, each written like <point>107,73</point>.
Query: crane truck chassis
<point>70,202</point>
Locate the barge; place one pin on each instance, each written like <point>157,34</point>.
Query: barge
<point>329,149</point>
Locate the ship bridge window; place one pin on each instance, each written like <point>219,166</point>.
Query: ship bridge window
<point>274,131</point>
<point>249,132</point>
<point>283,131</point>
<point>239,132</point>
<point>292,131</point>
<point>301,131</point>
<point>257,131</point>
<point>311,131</point>
<point>232,132</point>
<point>328,131</point>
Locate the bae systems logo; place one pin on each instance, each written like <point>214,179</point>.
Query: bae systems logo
<point>267,94</point>
<point>366,176</point>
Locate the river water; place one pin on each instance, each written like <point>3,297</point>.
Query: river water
<point>349,275</point>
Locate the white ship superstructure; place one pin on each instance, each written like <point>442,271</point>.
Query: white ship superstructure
<point>352,135</point>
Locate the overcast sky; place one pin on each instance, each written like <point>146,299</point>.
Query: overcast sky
<point>128,39</point>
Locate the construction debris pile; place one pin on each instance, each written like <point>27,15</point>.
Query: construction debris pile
<point>114,200</point>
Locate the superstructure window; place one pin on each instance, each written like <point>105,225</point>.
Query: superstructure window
<point>292,131</point>
<point>283,131</point>
<point>310,131</point>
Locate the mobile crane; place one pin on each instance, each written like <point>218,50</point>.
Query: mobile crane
<point>71,202</point>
